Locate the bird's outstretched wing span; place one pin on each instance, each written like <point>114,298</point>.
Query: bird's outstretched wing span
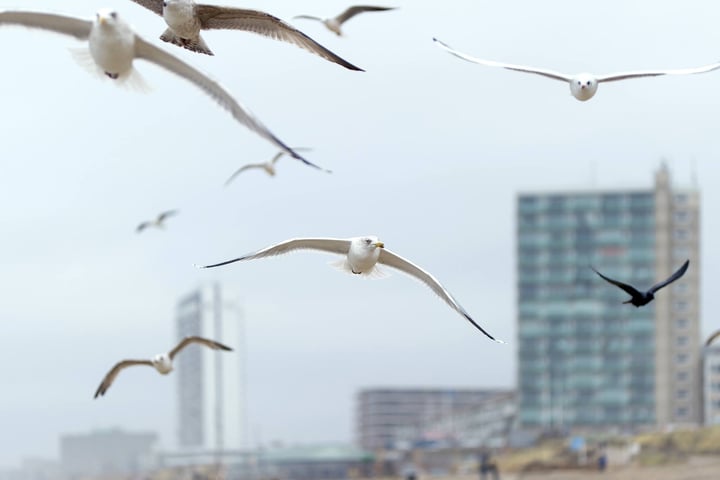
<point>396,261</point>
<point>331,245</point>
<point>113,373</point>
<point>611,77</point>
<point>520,68</point>
<point>154,54</point>
<point>680,272</point>
<point>712,338</point>
<point>199,340</point>
<point>142,227</point>
<point>242,169</point>
<point>164,215</point>
<point>153,5</point>
<point>352,11</point>
<point>281,153</point>
<point>629,289</point>
<point>213,17</point>
<point>76,27</point>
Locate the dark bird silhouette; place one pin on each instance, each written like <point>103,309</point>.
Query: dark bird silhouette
<point>643,298</point>
<point>712,338</point>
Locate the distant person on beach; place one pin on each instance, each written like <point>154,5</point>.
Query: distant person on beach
<point>488,466</point>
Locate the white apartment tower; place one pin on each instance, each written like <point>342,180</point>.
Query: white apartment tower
<point>210,383</point>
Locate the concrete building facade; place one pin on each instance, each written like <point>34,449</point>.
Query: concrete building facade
<point>711,385</point>
<point>382,413</point>
<point>584,358</point>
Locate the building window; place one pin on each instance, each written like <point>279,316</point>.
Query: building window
<point>681,376</point>
<point>681,323</point>
<point>681,287</point>
<point>681,198</point>
<point>681,411</point>
<point>715,386</point>
<point>682,216</point>
<point>681,394</point>
<point>680,305</point>
<point>681,234</point>
<point>682,357</point>
<point>681,341</point>
<point>715,368</point>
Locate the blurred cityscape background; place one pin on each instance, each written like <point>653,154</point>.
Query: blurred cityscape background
<point>594,377</point>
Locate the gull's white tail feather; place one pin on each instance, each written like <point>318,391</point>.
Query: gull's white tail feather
<point>134,81</point>
<point>83,58</point>
<point>341,265</point>
<point>344,266</point>
<point>377,272</point>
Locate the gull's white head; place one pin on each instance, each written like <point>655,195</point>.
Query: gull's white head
<point>106,17</point>
<point>162,363</point>
<point>369,243</point>
<point>583,86</point>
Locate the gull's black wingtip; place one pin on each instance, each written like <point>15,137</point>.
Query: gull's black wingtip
<point>297,156</point>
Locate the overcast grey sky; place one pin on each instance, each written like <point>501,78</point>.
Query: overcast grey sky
<point>428,152</point>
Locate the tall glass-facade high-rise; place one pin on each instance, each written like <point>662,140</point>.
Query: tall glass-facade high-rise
<point>584,358</point>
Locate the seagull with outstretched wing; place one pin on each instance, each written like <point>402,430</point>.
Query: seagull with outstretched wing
<point>582,85</point>
<point>162,362</point>
<point>643,298</point>
<point>362,256</point>
<point>185,19</point>
<point>333,24</point>
<point>114,47</point>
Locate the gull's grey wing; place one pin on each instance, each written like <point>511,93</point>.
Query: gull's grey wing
<point>142,226</point>
<point>167,214</point>
<point>611,77</point>
<point>200,340</point>
<point>212,17</point>
<point>629,289</point>
<point>352,11</point>
<point>712,338</point>
<point>77,27</point>
<point>243,168</point>
<point>331,245</point>
<point>679,273</point>
<point>153,5</point>
<point>151,53</point>
<point>520,68</point>
<point>396,261</point>
<point>309,17</point>
<point>281,153</point>
<point>113,373</point>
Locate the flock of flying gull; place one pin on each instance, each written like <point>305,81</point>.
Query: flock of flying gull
<point>114,46</point>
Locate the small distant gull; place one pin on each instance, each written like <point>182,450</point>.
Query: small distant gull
<point>643,298</point>
<point>269,166</point>
<point>185,19</point>
<point>162,362</point>
<point>582,85</point>
<point>362,256</point>
<point>114,46</point>
<point>159,221</point>
<point>333,24</point>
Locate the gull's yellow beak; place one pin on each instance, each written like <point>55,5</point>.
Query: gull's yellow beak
<point>379,244</point>
<point>102,19</point>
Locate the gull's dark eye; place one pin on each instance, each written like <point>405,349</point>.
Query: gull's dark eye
<point>367,241</point>
<point>579,82</point>
<point>589,82</point>
<point>113,15</point>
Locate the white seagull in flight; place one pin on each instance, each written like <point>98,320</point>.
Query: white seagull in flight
<point>333,24</point>
<point>582,85</point>
<point>159,221</point>
<point>268,167</point>
<point>185,19</point>
<point>162,362</point>
<point>362,256</point>
<point>114,46</point>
